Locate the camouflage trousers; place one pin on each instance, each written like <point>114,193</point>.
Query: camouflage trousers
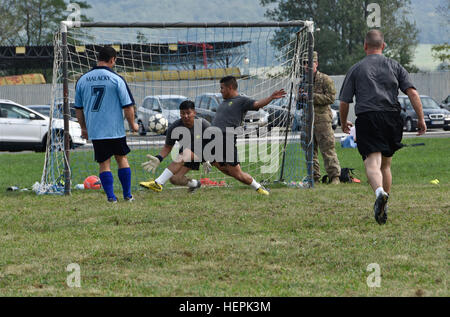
<point>324,140</point>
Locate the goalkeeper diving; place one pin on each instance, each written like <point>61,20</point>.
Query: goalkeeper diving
<point>188,131</point>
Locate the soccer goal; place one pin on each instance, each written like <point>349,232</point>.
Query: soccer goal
<point>176,61</point>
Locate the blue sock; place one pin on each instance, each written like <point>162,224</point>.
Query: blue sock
<point>125,179</point>
<point>108,184</point>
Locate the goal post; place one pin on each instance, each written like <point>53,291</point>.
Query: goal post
<point>188,60</point>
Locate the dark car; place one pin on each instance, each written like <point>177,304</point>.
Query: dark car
<point>278,113</point>
<point>435,117</point>
<point>206,105</point>
<point>446,103</point>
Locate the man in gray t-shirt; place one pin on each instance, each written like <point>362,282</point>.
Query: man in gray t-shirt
<point>375,82</point>
<point>229,115</point>
<point>231,112</point>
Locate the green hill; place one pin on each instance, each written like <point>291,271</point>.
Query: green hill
<point>176,10</point>
<point>430,24</point>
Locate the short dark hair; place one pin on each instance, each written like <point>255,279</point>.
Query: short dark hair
<point>187,104</point>
<point>374,39</point>
<point>229,81</point>
<point>106,53</point>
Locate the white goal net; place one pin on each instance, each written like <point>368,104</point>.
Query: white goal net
<point>164,64</point>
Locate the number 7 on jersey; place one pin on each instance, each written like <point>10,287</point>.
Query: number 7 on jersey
<point>98,92</point>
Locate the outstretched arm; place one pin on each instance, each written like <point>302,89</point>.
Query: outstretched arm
<point>263,102</point>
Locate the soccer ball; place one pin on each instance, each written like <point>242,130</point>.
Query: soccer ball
<point>92,182</point>
<point>158,124</point>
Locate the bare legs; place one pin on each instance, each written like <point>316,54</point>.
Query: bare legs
<point>236,172</point>
<point>121,160</point>
<point>378,170</point>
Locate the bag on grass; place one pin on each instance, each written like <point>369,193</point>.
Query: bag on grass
<point>345,177</point>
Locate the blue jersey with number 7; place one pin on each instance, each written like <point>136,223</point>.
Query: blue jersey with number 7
<point>102,94</point>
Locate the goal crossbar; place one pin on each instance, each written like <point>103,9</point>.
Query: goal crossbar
<point>185,24</point>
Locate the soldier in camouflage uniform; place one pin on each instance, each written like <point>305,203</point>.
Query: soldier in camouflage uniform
<point>324,94</point>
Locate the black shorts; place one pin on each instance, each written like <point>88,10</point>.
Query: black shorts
<point>104,149</point>
<point>195,165</point>
<point>228,153</point>
<point>192,165</point>
<point>379,132</point>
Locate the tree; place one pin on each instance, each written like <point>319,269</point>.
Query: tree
<point>343,25</point>
<point>441,52</point>
<point>141,38</point>
<point>33,22</point>
<point>8,26</point>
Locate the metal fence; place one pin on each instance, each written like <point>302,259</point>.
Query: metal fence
<point>435,84</point>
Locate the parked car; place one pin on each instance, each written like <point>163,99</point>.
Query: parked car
<point>334,120</point>
<point>57,112</point>
<point>256,119</point>
<point>446,103</point>
<point>22,128</point>
<point>167,105</point>
<point>336,116</point>
<point>206,106</point>
<point>435,117</point>
<point>278,113</point>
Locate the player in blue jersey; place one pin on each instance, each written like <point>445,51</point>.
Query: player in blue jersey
<point>102,97</point>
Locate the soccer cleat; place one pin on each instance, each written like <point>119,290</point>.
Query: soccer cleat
<point>262,191</point>
<point>112,200</point>
<point>152,185</point>
<point>129,199</point>
<point>380,208</point>
<point>385,214</point>
<point>193,189</point>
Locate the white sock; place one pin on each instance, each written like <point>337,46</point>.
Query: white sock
<point>379,191</point>
<point>255,185</point>
<point>164,177</point>
<point>192,183</point>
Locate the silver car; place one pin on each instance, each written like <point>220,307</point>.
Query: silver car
<point>167,105</point>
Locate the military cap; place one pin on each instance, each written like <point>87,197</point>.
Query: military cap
<point>315,57</point>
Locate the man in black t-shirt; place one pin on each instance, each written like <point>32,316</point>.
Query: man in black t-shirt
<point>188,131</point>
<point>375,81</point>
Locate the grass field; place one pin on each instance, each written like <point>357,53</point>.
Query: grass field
<point>230,241</point>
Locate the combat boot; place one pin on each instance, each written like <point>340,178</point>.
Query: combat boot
<point>335,180</point>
